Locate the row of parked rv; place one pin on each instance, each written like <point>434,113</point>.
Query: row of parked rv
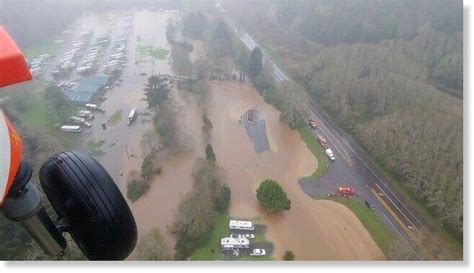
<point>118,56</point>
<point>90,63</point>
<point>67,85</point>
<point>36,65</point>
<point>127,21</point>
<point>237,241</point>
<point>68,61</point>
<point>82,118</point>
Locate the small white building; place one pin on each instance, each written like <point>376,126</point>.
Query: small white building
<point>241,225</point>
<point>230,243</point>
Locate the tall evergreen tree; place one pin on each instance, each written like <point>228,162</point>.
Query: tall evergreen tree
<point>156,91</point>
<point>255,62</point>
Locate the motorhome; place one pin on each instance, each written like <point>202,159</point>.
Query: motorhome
<point>241,225</point>
<point>83,69</point>
<point>71,128</point>
<point>85,114</point>
<point>231,243</point>
<point>132,116</point>
<point>80,121</point>
<point>92,106</point>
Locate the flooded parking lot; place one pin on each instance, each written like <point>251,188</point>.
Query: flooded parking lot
<point>122,149</point>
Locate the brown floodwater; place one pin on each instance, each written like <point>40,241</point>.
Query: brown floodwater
<point>123,150</point>
<point>313,230</point>
<point>158,206</point>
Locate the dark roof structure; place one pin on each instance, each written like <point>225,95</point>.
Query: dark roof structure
<point>86,89</point>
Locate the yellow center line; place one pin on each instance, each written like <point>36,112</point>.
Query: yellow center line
<point>389,209</point>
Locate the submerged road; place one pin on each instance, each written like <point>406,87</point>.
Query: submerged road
<point>351,167</point>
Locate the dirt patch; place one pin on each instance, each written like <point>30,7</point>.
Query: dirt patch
<point>313,230</point>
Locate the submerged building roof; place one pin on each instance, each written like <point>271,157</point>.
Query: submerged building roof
<point>86,89</point>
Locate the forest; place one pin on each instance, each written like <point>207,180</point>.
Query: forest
<point>390,73</point>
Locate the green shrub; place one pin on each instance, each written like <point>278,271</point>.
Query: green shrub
<point>136,188</point>
<point>289,256</point>
<point>210,155</point>
<point>148,170</point>
<point>272,196</point>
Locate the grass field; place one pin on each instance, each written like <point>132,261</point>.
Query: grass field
<point>44,47</point>
<point>318,151</point>
<point>35,114</point>
<point>377,229</point>
<point>115,118</point>
<point>40,119</point>
<point>155,52</point>
<point>211,250</point>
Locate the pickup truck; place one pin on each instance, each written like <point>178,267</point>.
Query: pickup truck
<point>323,142</point>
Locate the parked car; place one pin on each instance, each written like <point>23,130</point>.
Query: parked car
<point>258,252</point>
<point>312,124</point>
<point>250,236</point>
<point>369,205</point>
<point>323,142</point>
<point>346,191</point>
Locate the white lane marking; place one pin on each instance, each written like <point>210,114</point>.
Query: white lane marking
<point>395,205</point>
<point>396,229</point>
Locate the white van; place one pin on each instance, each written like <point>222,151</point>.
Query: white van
<point>330,154</point>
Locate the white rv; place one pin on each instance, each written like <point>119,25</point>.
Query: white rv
<point>241,225</point>
<point>132,116</point>
<point>85,114</point>
<point>91,106</point>
<point>71,128</point>
<point>80,121</point>
<point>231,243</point>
